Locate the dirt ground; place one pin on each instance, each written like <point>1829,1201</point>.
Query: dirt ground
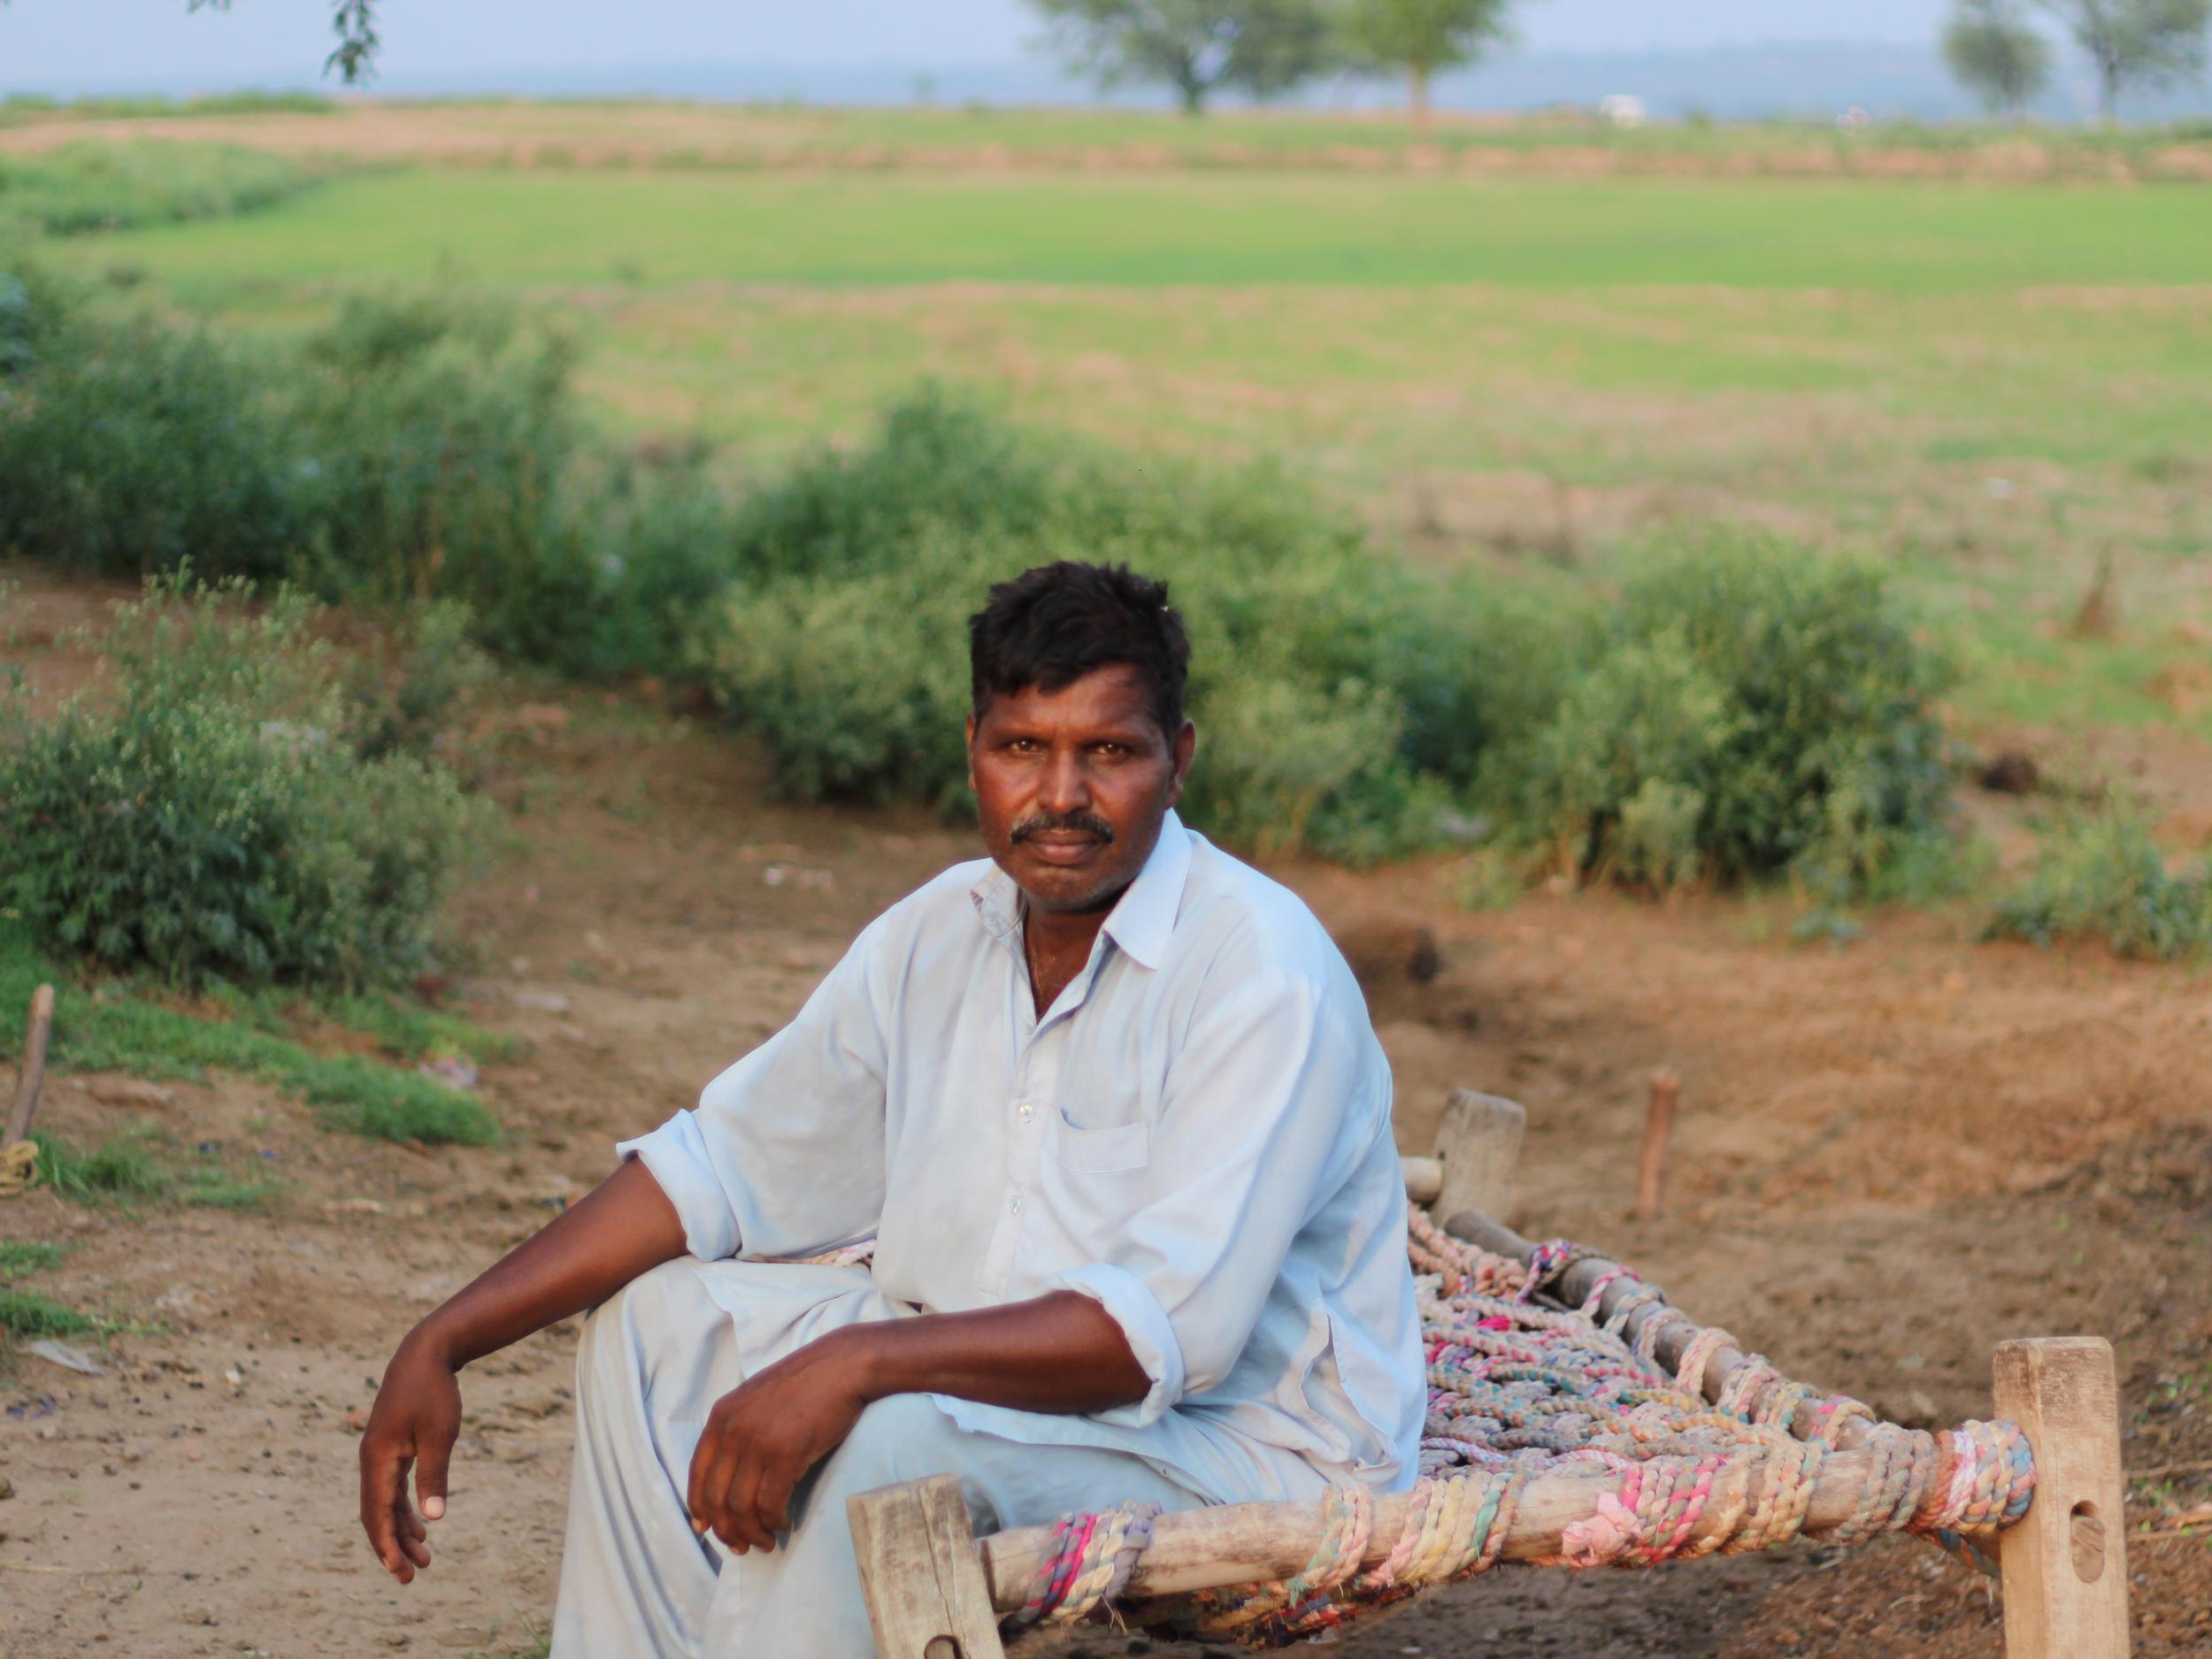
<point>1893,1155</point>
<point>756,137</point>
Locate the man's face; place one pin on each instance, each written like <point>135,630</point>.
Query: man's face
<point>1073,786</point>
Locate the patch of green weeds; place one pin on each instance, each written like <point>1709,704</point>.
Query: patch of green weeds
<point>410,1032</point>
<point>119,1170</point>
<point>130,1168</point>
<point>2101,876</point>
<point>19,1257</point>
<point>111,1028</point>
<point>27,1316</point>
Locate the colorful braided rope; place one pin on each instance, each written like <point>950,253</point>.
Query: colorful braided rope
<point>1521,1388</point>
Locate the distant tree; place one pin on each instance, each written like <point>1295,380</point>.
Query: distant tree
<point>1421,37</point>
<point>1196,47</point>
<point>1997,54</point>
<point>2149,42</point>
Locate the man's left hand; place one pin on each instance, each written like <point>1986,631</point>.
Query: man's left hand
<point>764,1435</point>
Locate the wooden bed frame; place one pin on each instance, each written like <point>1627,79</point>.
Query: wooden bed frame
<point>934,1591</point>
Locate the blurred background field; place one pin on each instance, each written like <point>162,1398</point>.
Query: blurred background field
<point>1726,595</point>
<point>1997,385</point>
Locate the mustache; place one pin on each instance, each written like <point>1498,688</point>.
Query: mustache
<point>1082,823</point>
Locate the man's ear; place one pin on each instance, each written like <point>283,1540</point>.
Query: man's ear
<point>970,742</point>
<point>1185,748</point>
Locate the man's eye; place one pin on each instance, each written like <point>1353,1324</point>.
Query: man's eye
<point>1112,751</point>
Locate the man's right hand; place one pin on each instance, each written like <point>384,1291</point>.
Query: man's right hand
<point>623,1227</point>
<point>413,1425</point>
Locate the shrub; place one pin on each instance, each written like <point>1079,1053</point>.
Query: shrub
<point>439,434</point>
<point>1326,682</point>
<point>126,448</point>
<point>2101,876</point>
<point>211,822</point>
<point>1750,707</point>
<point>413,706</point>
<point>75,189</point>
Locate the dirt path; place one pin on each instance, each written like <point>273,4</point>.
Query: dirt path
<point>1892,1156</point>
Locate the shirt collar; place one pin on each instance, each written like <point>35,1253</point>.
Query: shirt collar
<point>1142,918</point>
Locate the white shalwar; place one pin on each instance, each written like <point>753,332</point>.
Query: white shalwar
<point>1197,1134</point>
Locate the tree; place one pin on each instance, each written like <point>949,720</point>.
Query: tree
<point>1996,53</point>
<point>1421,37</point>
<point>1197,47</point>
<point>353,21</point>
<point>2147,41</point>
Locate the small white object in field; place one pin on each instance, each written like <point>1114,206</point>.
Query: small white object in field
<point>1624,109</point>
<point>68,1358</point>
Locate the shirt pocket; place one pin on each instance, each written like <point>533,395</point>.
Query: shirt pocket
<point>1102,1151</point>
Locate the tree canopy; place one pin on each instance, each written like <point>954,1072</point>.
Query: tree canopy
<point>1195,47</point>
<point>1996,53</point>
<point>353,21</point>
<point>1421,37</point>
<point>2146,43</point>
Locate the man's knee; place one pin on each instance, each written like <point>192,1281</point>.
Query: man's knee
<point>619,1345</point>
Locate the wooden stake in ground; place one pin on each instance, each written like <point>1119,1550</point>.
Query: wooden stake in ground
<point>1651,1169</point>
<point>1478,1148</point>
<point>33,1069</point>
<point>2065,1565</point>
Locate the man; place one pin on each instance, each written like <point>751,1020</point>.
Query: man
<point>1108,1107</point>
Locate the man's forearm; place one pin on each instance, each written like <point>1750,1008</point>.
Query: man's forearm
<point>1061,1352</point>
<point>620,1229</point>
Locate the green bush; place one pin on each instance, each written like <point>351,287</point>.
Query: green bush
<point>2101,876</point>
<point>1749,707</point>
<point>439,435</point>
<point>126,448</point>
<point>209,821</point>
<point>75,189</point>
<point>1326,683</point>
<point>420,446</point>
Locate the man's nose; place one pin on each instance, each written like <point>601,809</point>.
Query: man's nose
<point>1066,786</point>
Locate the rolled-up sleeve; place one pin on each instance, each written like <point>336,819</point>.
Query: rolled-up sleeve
<point>783,1155</point>
<point>1254,1130</point>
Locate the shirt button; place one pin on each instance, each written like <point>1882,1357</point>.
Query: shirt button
<point>1014,1205</point>
<point>1025,1111</point>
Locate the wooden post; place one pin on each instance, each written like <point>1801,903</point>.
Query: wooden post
<point>1480,1143</point>
<point>1651,1168</point>
<point>33,1072</point>
<point>921,1572</point>
<point>2065,1565</point>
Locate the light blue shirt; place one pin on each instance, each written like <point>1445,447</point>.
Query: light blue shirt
<point>1197,1134</point>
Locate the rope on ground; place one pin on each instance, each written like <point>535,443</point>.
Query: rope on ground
<point>19,1168</point>
<point>1519,1389</point>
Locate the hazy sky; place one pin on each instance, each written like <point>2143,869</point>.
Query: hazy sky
<point>47,42</point>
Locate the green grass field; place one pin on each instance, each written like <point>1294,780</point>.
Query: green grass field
<point>1998,384</point>
<point>534,227</point>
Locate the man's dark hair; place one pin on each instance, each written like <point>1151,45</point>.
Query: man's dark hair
<point>1051,626</point>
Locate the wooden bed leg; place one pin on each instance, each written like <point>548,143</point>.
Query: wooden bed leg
<point>1479,1143</point>
<point>921,1573</point>
<point>2065,1563</point>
